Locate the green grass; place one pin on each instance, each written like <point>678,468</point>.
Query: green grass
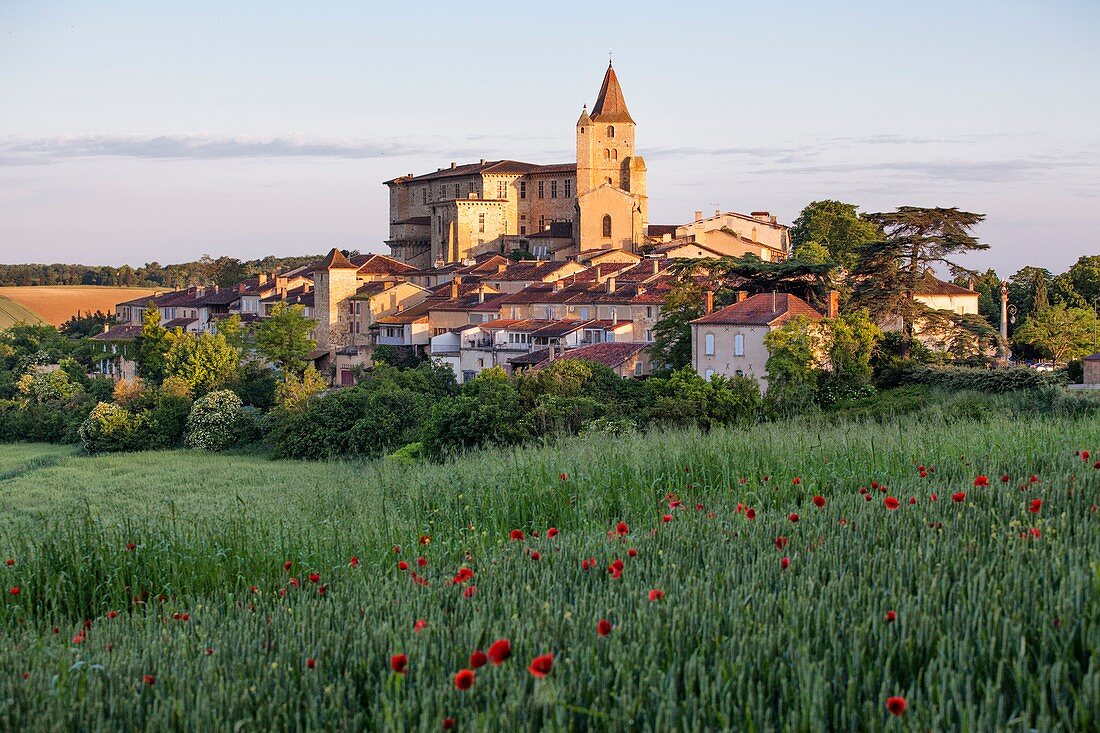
<point>994,632</point>
<point>12,313</point>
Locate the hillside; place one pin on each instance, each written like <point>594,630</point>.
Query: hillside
<point>55,304</point>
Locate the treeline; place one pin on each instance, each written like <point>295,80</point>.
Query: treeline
<point>221,271</point>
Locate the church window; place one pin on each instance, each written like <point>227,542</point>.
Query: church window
<point>523,189</point>
<point>481,223</point>
<point>568,188</point>
<point>611,131</point>
<point>553,189</point>
<point>614,154</point>
<point>607,225</point>
<point>541,191</point>
<point>606,154</point>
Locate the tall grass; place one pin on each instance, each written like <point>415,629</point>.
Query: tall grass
<point>994,631</point>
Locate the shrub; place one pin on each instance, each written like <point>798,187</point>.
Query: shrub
<point>110,428</point>
<point>215,421</point>
<point>989,381</point>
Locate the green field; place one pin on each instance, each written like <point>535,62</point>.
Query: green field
<point>996,629</point>
<point>12,313</point>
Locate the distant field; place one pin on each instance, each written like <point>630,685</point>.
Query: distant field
<point>55,304</point>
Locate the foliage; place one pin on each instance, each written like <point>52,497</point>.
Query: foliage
<point>110,428</point>
<point>256,385</point>
<point>40,386</point>
<point>402,357</point>
<point>1061,333</point>
<point>831,228</point>
<point>671,347</point>
<point>1029,291</point>
<point>960,379</point>
<point>283,338</point>
<point>203,361</point>
<point>86,325</point>
<point>151,346</point>
<point>486,412</point>
<point>685,399</point>
<point>725,275</point>
<point>215,421</point>
<point>294,392</point>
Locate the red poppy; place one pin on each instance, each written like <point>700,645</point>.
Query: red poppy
<point>981,481</point>
<point>796,481</point>
<point>862,490</point>
<point>891,617</point>
<point>448,723</point>
<point>130,547</point>
<point>398,662</point>
<point>79,638</point>
<point>750,513</point>
<point>541,666</point>
<point>1035,506</point>
<point>1084,455</point>
<point>934,497</point>
<point>311,663</point>
<point>551,533</point>
<point>656,595</point>
<point>1096,465</point>
<point>603,628</point>
<point>9,562</point>
<point>923,473</point>
<point>425,539</point>
<point>516,535</point>
<point>632,552</point>
<point>564,476</point>
<point>793,517</point>
<point>354,562</point>
<point>478,659</point>
<point>112,614</point>
<point>420,624</point>
<point>535,555</point>
<point>666,518</point>
<point>819,501</point>
<point>584,564</point>
<point>402,565</point>
<point>958,496</point>
<point>500,651</point>
<point>891,503</point>
<point>1004,478</point>
<point>464,679</point>
<point>314,578</point>
<point>149,679</point>
<point>767,477</point>
<point>874,484</point>
<point>780,542</point>
<point>896,705</point>
<point>288,565</point>
<point>1033,479</point>
<point>209,650</point>
<point>622,528</point>
<point>785,563</point>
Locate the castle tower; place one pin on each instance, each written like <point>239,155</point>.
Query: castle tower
<point>335,281</point>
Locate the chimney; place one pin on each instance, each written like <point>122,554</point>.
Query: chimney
<point>262,278</point>
<point>400,307</point>
<point>551,352</point>
<point>656,267</point>
<point>698,216</point>
<point>439,262</point>
<point>666,237</point>
<point>453,166</point>
<point>717,212</point>
<point>454,288</point>
<point>482,162</point>
<point>241,287</point>
<point>480,294</point>
<point>559,285</point>
<point>599,277</point>
<point>710,302</point>
<point>106,328</point>
<point>970,283</point>
<point>834,304</point>
<point>639,290</point>
<point>611,284</point>
<point>741,295</point>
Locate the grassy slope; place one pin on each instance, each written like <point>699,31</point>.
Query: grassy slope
<point>55,304</point>
<point>12,313</point>
<point>738,643</point>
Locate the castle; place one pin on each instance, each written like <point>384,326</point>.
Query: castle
<point>556,212</point>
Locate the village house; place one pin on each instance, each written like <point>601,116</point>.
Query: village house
<point>726,234</point>
<point>625,358</point>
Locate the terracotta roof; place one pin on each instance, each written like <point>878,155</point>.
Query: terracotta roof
<point>417,221</point>
<point>409,315</point>
<point>521,271</point>
<point>380,265</point>
<point>335,261</point>
<point>125,332</point>
<point>222,296</point>
<point>762,309</point>
<point>659,230</point>
<point>610,105</point>
<point>180,322</point>
<point>469,169</point>
<point>611,354</point>
<point>466,303</point>
<point>935,286</point>
<point>555,168</point>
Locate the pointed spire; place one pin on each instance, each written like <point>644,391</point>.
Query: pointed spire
<point>610,105</point>
<point>585,119</point>
<point>336,261</point>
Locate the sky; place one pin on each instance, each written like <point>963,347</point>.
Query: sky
<point>133,132</point>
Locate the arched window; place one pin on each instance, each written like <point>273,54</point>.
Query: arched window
<point>607,225</point>
<point>606,154</point>
<point>614,155</point>
<point>611,131</point>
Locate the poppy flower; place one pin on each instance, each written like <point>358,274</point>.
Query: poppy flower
<point>79,638</point>
<point>1035,533</point>
<point>819,501</point>
<point>584,564</point>
<point>934,497</point>
<point>631,552</point>
<point>354,562</point>
<point>516,535</point>
<point>422,562</point>
<point>780,542</point>
<point>535,555</point>
<point>130,547</point>
<point>149,679</point>
<point>288,565</point>
<point>209,650</point>
<point>314,578</point>
<point>796,481</point>
<point>398,662</point>
<point>793,517</point>
<point>1004,478</point>
<point>541,665</point>
<point>750,513</point>
<point>425,539</point>
<point>420,624</point>
<point>112,614</point>
<point>14,590</point>
<point>464,679</point>
<point>470,591</point>
<point>666,518</point>
<point>311,663</point>
<point>9,562</point>
<point>449,723</point>
<point>890,617</point>
<point>981,481</point>
<point>462,576</point>
<point>958,496</point>
<point>1035,506</point>
<point>551,533</point>
<point>874,484</point>
<point>1084,455</point>
<point>621,528</point>
<point>767,477</point>
<point>564,476</point>
<point>478,659</point>
<point>891,503</point>
<point>896,705</point>
<point>862,490</point>
<point>500,651</point>
<point>603,628</point>
<point>656,595</point>
<point>785,563</point>
<point>1033,479</point>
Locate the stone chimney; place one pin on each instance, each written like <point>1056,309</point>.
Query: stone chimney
<point>599,276</point>
<point>741,295</point>
<point>480,294</point>
<point>454,287</point>
<point>558,285</point>
<point>710,302</point>
<point>970,283</point>
<point>241,287</point>
<point>262,278</point>
<point>666,237</point>
<point>656,267</point>
<point>834,304</point>
<point>698,216</point>
<point>453,165</point>
<point>611,284</point>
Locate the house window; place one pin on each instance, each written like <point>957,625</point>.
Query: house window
<point>584,313</point>
<point>542,220</point>
<point>542,185</point>
<point>607,225</point>
<point>637,369</point>
<point>568,188</point>
<point>357,327</point>
<point>481,223</point>
<point>611,131</point>
<point>358,307</point>
<point>708,374</point>
<point>553,189</point>
<point>606,154</point>
<point>649,336</point>
<point>649,311</point>
<point>523,229</point>
<point>739,345</point>
<point>502,189</point>
<point>740,372</point>
<point>457,194</point>
<point>708,345</point>
<point>607,180</point>
<point>523,189</point>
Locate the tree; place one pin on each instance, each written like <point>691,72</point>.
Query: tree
<point>725,275</point>
<point>1085,277</point>
<point>228,271</point>
<point>834,227</point>
<point>204,361</point>
<point>1061,333</point>
<point>671,347</point>
<point>294,393</point>
<point>988,286</point>
<point>284,337</point>
<point>890,271</point>
<point>1028,290</point>
<point>152,345</point>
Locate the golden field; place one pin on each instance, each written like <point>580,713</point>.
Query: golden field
<point>55,304</point>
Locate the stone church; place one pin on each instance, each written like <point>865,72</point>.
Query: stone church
<point>571,210</point>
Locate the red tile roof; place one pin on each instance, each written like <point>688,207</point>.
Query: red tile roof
<point>126,332</point>
<point>762,309</point>
<point>335,261</point>
<point>610,104</point>
<point>611,354</point>
<point>935,286</point>
<point>380,265</point>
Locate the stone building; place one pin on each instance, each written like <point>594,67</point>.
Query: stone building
<point>560,211</point>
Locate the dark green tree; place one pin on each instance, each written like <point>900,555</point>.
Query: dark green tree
<point>834,226</point>
<point>151,346</point>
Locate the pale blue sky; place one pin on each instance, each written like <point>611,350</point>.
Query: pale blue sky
<point>141,131</point>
